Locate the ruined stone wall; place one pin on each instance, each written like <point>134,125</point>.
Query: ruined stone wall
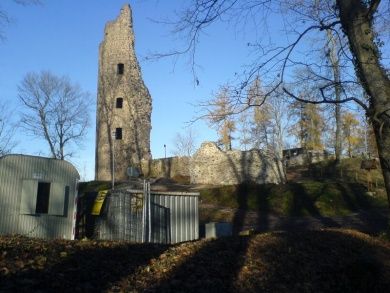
<point>134,115</point>
<point>211,165</point>
<point>168,168</point>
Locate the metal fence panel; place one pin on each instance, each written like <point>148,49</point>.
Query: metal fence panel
<point>158,217</point>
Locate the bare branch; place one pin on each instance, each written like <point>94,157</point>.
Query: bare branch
<point>5,19</point>
<point>373,7</point>
<point>325,100</point>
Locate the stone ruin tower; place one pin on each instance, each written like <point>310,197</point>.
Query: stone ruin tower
<point>124,104</point>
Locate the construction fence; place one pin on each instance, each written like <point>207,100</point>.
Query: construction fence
<point>143,216</point>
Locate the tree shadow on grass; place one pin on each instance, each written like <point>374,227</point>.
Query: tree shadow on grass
<point>263,207</point>
<point>93,269</point>
<point>354,195</point>
<point>301,204</point>
<point>213,268</point>
<point>309,261</point>
<point>240,214</point>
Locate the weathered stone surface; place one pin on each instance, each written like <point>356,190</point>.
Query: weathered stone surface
<point>211,165</point>
<point>169,168</point>
<point>134,117</point>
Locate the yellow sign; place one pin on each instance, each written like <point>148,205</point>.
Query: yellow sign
<point>97,205</point>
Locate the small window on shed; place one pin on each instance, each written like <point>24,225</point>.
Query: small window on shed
<point>42,205</point>
<point>118,133</point>
<point>119,102</point>
<point>120,68</point>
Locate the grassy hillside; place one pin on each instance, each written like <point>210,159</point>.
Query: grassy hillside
<point>323,189</point>
<point>349,170</point>
<point>311,261</point>
<point>306,198</point>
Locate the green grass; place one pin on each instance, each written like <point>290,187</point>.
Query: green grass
<point>347,170</point>
<point>306,198</point>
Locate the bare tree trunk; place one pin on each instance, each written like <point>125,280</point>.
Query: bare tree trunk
<point>46,134</point>
<point>337,114</point>
<point>334,60</point>
<point>356,20</point>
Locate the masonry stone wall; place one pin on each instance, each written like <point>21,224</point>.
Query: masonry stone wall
<point>211,165</point>
<point>120,79</point>
<point>169,168</point>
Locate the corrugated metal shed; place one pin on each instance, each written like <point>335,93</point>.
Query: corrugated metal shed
<point>171,217</point>
<point>37,196</point>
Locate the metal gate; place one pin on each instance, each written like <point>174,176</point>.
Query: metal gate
<point>147,216</point>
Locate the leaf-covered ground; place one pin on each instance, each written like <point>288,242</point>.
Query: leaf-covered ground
<point>307,261</point>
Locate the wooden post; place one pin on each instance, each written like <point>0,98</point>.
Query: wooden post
<point>369,183</point>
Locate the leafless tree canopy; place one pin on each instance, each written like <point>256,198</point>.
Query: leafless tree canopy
<point>54,109</point>
<point>278,62</point>
<point>184,143</point>
<point>5,18</point>
<point>7,130</point>
<point>359,32</point>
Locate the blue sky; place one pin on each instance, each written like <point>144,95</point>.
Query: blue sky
<point>63,36</point>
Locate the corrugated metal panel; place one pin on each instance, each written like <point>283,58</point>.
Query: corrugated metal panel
<point>122,218</point>
<point>57,198</point>
<point>16,168</point>
<point>181,212</point>
<point>173,217</point>
<point>28,198</point>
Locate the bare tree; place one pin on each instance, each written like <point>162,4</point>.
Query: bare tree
<point>333,56</point>
<point>5,18</point>
<point>270,120</point>
<point>333,53</point>
<point>219,116</point>
<point>262,126</point>
<point>7,130</point>
<point>359,27</point>
<point>55,110</point>
<point>244,129</point>
<point>185,144</point>
<point>308,126</point>
<point>352,133</point>
<point>280,123</point>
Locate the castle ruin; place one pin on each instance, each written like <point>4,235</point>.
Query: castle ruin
<point>124,104</point>
<point>211,165</point>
